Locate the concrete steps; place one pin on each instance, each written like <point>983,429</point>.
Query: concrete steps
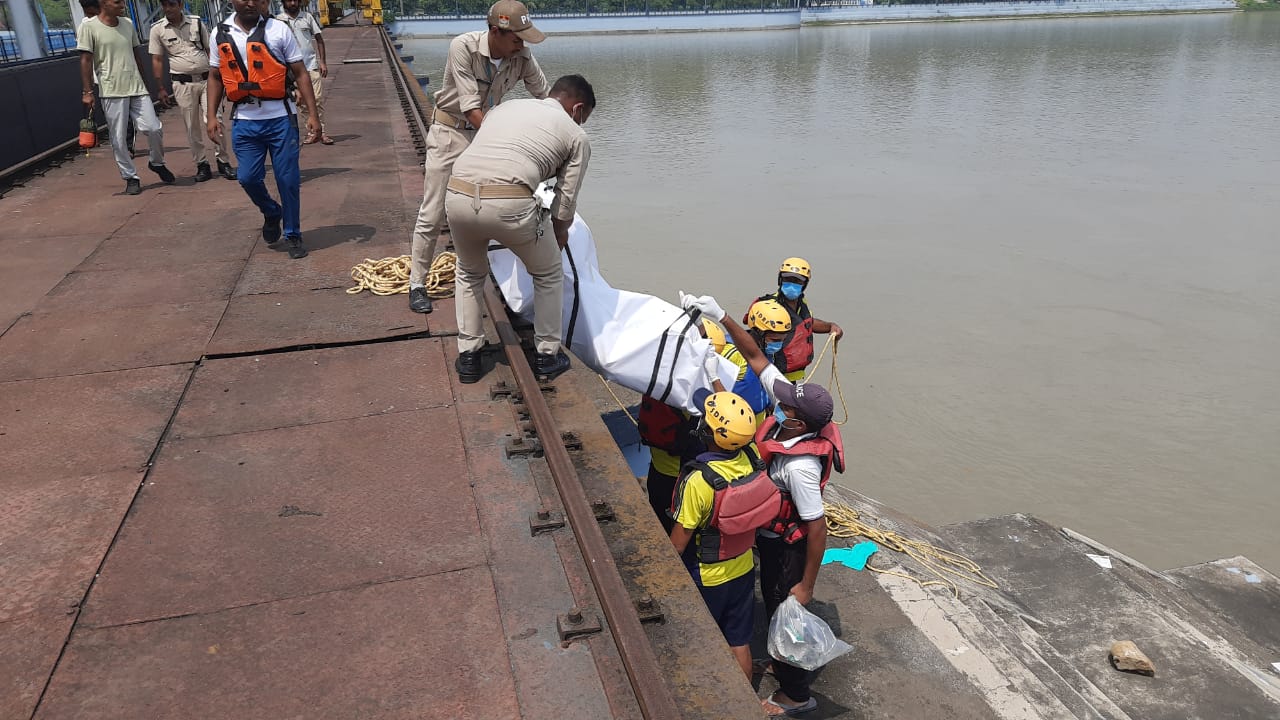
<point>1209,662</point>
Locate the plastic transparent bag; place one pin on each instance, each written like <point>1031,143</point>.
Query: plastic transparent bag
<point>798,637</point>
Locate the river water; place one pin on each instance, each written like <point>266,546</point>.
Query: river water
<point>1052,245</point>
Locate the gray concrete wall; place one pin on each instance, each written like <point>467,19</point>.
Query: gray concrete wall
<point>954,11</point>
<point>788,19</point>
<point>699,22</point>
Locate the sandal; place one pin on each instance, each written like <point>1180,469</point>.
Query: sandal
<point>775,709</point>
<point>326,140</point>
<point>310,139</point>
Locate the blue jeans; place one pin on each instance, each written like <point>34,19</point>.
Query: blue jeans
<point>252,140</point>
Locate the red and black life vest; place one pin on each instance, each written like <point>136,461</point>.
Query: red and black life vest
<point>664,427</point>
<point>797,349</point>
<point>740,506</point>
<point>260,74</point>
<point>827,446</point>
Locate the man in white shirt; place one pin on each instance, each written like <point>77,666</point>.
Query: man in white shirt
<point>306,30</point>
<point>791,550</point>
<point>263,113</point>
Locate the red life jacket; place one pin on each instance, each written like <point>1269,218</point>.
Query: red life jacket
<point>740,507</point>
<point>827,446</point>
<point>797,349</point>
<point>664,427</point>
<point>261,74</point>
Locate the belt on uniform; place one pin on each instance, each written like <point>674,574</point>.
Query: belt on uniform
<point>445,118</point>
<point>495,191</point>
<point>183,77</point>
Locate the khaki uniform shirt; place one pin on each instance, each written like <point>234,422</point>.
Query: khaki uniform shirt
<point>186,44</point>
<point>524,142</point>
<point>472,82</point>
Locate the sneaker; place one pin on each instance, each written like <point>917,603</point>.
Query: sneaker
<point>203,172</point>
<point>226,171</point>
<point>469,367</point>
<point>549,366</point>
<point>419,301</point>
<point>132,186</point>
<point>296,251</point>
<point>271,229</point>
<point>162,171</point>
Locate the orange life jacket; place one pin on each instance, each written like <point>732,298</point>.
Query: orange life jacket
<point>827,446</point>
<point>261,74</point>
<point>797,349</point>
<point>739,508</point>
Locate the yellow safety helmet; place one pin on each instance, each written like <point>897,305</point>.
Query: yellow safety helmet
<point>796,266</point>
<point>714,334</point>
<point>731,420</point>
<point>769,316</point>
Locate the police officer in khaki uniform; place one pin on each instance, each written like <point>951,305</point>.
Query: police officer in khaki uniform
<point>185,41</point>
<point>490,196</point>
<point>482,67</point>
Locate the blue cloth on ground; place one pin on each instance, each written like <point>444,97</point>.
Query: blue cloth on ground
<point>853,557</point>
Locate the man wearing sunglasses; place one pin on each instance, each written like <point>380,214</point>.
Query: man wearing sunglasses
<point>482,67</point>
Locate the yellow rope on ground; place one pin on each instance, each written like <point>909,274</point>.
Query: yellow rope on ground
<point>835,376</point>
<point>845,522</point>
<point>390,276</point>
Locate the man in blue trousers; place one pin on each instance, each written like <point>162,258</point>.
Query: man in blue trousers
<point>255,62</point>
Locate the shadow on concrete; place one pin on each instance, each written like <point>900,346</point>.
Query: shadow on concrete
<point>309,174</point>
<point>343,138</point>
<point>331,235</point>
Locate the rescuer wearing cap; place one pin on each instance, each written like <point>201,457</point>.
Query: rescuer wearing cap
<point>797,352</point>
<point>800,446</point>
<point>482,67</point>
<point>722,498</point>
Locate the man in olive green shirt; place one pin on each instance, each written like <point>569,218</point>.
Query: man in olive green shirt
<point>106,44</point>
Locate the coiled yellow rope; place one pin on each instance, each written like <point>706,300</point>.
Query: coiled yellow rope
<point>390,276</point>
<point>946,566</point>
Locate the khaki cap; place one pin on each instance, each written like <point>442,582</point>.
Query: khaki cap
<point>514,16</point>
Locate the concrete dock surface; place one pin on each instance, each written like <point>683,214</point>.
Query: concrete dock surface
<point>233,490</point>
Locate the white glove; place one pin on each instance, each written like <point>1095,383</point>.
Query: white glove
<point>711,367</point>
<point>703,303</point>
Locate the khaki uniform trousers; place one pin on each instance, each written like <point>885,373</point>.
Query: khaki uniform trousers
<point>317,85</point>
<point>514,224</point>
<point>193,103</point>
<point>444,145</point>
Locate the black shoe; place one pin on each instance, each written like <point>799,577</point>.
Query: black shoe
<point>132,186</point>
<point>226,171</point>
<point>271,229</point>
<point>469,367</point>
<point>419,301</point>
<point>551,365</point>
<point>296,251</point>
<point>203,172</point>
<point>162,171</point>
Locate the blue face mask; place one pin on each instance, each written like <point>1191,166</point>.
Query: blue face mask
<point>778,415</point>
<point>772,348</point>
<point>792,291</point>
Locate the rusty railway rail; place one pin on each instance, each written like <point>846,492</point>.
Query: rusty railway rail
<point>413,100</point>
<point>652,693</point>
